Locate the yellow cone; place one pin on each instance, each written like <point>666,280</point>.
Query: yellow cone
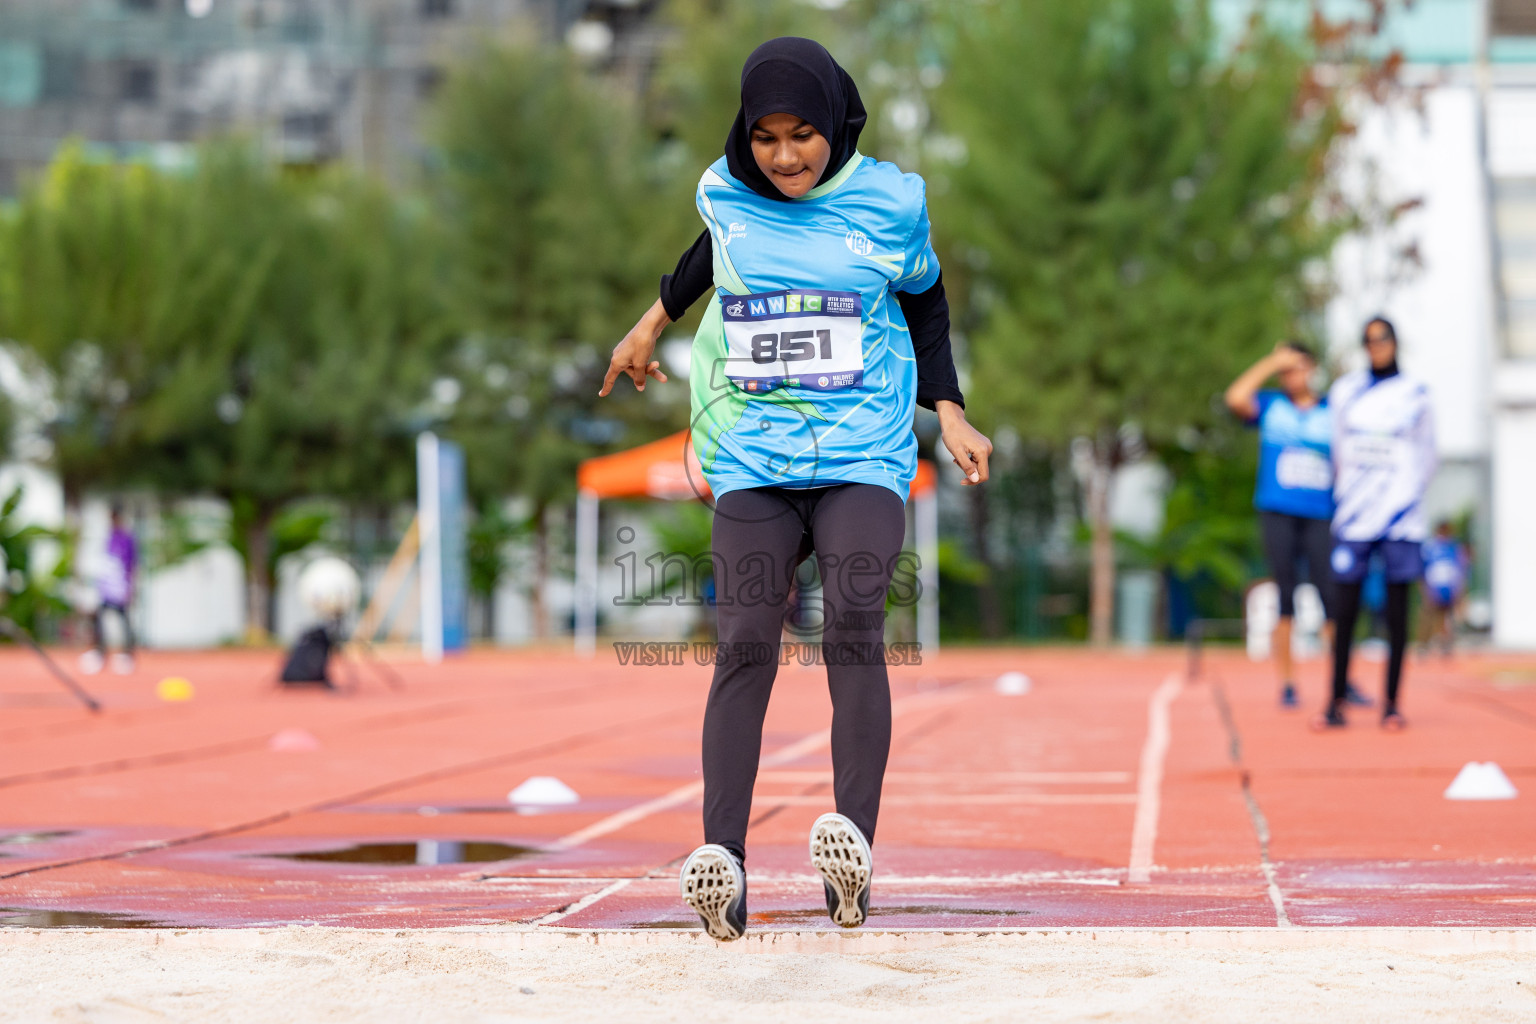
<point>173,688</point>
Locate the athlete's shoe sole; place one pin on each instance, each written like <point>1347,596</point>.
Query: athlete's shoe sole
<point>842,857</point>
<point>713,883</point>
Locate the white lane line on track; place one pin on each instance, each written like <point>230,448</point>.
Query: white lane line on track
<point>693,790</point>
<point>973,799</point>
<point>949,778</point>
<point>1149,781</point>
<point>961,883</point>
<point>684,794</point>
<point>583,903</point>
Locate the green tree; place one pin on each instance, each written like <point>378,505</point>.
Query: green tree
<point>30,596</point>
<point>486,551</point>
<point>544,189</point>
<point>230,331</point>
<point>1136,214</point>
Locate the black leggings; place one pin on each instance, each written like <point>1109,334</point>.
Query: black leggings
<point>760,536</point>
<point>1289,540</point>
<point>1347,597</point>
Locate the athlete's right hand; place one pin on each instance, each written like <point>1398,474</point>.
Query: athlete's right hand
<point>1283,358</point>
<point>633,355</point>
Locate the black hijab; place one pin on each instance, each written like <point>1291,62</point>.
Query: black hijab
<point>797,76</point>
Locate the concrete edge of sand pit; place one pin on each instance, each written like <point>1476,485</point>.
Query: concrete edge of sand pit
<point>1423,940</point>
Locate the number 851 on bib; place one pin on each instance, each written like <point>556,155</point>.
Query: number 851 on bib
<point>794,338</point>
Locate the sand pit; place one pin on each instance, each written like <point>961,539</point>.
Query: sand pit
<point>324,974</point>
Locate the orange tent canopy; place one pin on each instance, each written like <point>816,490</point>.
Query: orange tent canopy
<point>668,469</point>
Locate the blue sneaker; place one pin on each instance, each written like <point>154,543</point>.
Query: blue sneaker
<point>713,883</point>
<point>1333,718</point>
<point>1355,697</point>
<point>1288,698</point>
<point>842,857</point>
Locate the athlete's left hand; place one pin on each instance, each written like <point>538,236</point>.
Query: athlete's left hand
<point>968,446</point>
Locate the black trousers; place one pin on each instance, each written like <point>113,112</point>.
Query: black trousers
<point>98,632</point>
<point>1348,595</point>
<point>760,536</point>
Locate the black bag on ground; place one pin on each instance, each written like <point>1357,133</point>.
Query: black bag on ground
<point>310,656</point>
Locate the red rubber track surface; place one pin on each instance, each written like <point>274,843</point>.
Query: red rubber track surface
<point>1057,808</point>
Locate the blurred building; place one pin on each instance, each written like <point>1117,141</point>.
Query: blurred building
<point>1457,272</point>
<point>310,80</point>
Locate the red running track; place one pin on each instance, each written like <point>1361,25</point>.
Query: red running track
<point>1115,793</point>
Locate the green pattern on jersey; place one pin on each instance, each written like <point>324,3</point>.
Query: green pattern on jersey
<point>718,404</point>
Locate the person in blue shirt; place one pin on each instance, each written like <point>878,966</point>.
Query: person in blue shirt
<point>1294,492</point>
<point>829,326</point>
<point>1446,561</point>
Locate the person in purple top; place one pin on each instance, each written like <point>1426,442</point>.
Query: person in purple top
<point>114,588</point>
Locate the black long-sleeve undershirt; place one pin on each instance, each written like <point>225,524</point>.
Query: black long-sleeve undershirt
<point>926,313</point>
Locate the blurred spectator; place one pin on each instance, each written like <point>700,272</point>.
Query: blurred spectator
<point>114,587</point>
<point>1294,494</point>
<point>1445,583</point>
<point>1384,457</point>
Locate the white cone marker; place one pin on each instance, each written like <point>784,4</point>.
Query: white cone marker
<point>1481,780</point>
<point>1013,684</point>
<point>293,741</point>
<point>539,792</point>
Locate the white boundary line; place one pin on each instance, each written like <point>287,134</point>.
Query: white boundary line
<point>964,799</point>
<point>583,903</point>
<point>684,794</point>
<point>949,778</point>
<point>1441,940</point>
<point>1149,782</point>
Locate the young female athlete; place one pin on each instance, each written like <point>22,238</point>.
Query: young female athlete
<point>829,325</point>
<point>1294,494</point>
<point>1383,457</point>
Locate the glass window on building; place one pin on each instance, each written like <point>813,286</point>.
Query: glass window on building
<point>1515,222</point>
<point>140,84</point>
<point>21,74</point>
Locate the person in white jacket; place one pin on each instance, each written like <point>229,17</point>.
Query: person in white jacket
<point>1383,460</point>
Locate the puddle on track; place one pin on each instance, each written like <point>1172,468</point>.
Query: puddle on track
<point>30,917</point>
<point>420,852</point>
<point>27,839</point>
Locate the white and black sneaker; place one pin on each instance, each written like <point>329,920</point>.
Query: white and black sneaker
<point>713,883</point>
<point>842,857</point>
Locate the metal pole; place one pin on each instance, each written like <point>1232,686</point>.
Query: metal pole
<point>15,632</point>
<point>429,518</point>
<point>1194,634</point>
<point>925,524</point>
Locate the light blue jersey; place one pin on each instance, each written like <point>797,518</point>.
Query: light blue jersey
<point>802,372</point>
<point>1295,474</point>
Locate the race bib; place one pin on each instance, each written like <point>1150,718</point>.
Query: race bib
<point>1444,574</point>
<point>794,339</point>
<point>1373,451</point>
<point>1302,469</point>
